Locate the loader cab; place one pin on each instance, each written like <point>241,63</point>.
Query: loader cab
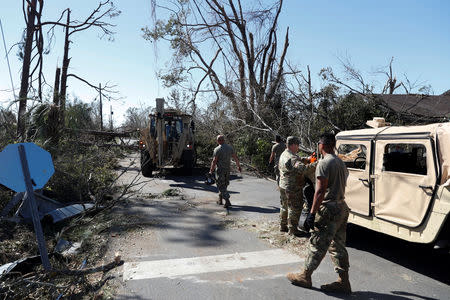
<point>168,141</point>
<point>397,179</point>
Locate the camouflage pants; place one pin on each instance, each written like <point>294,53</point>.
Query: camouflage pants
<point>329,234</point>
<point>223,180</point>
<point>291,208</point>
<point>277,174</point>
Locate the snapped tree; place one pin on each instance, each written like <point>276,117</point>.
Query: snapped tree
<point>32,47</point>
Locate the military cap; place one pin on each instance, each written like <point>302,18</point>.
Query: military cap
<point>291,140</point>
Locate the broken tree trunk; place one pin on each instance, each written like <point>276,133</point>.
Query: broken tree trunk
<point>65,67</point>
<point>101,106</point>
<point>53,115</point>
<point>24,84</point>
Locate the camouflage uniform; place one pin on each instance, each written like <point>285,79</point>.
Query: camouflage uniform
<point>292,172</point>
<point>223,153</point>
<point>331,221</point>
<point>278,149</point>
<point>329,234</point>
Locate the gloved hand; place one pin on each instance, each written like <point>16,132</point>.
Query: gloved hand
<point>309,222</point>
<point>313,157</point>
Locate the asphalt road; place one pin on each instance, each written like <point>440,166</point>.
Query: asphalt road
<point>183,251</point>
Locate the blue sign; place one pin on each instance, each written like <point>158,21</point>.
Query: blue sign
<point>40,165</point>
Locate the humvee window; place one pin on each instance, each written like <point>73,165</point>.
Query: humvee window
<point>353,155</point>
<point>405,158</point>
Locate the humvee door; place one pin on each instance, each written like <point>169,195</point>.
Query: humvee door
<point>356,156</point>
<point>404,180</point>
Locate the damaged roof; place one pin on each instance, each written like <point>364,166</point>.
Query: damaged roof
<point>434,106</point>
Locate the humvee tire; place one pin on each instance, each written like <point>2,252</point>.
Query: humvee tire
<point>146,164</point>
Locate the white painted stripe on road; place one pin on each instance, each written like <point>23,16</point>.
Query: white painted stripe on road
<point>207,264</point>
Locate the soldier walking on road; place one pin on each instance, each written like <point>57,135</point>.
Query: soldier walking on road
<point>292,168</point>
<point>222,159</point>
<point>277,149</point>
<point>331,222</point>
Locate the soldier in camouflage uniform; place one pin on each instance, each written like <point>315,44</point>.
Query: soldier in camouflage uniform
<point>292,172</point>
<point>222,159</point>
<point>331,222</point>
<point>277,149</point>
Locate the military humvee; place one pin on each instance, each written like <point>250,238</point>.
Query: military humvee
<point>168,141</point>
<point>399,179</point>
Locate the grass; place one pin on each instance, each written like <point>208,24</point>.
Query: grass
<point>171,193</point>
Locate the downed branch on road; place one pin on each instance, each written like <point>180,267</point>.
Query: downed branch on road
<point>32,283</point>
<point>108,145</point>
<point>84,175</point>
<point>127,134</point>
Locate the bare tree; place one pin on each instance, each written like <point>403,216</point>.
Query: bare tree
<point>94,20</point>
<point>354,81</point>
<point>32,49</point>
<point>226,46</point>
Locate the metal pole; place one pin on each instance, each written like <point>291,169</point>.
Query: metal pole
<point>101,107</point>
<point>160,128</point>
<point>7,60</point>
<point>110,118</point>
<point>30,200</point>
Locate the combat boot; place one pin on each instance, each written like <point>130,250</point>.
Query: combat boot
<point>342,285</point>
<point>220,200</point>
<point>284,228</point>
<point>301,279</point>
<point>227,203</point>
<point>295,232</point>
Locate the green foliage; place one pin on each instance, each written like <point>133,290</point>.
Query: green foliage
<point>136,118</point>
<point>79,115</point>
<point>261,158</point>
<point>7,127</point>
<point>40,120</point>
<point>254,149</point>
<point>81,172</point>
<point>171,193</point>
<point>352,111</point>
<point>5,196</point>
<point>204,145</point>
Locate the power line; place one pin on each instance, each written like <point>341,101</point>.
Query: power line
<point>7,59</point>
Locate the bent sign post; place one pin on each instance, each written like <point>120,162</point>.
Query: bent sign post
<point>26,167</point>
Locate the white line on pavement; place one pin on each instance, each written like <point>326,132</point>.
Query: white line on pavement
<point>207,264</point>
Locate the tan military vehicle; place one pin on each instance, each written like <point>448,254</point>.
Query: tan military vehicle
<point>399,181</point>
<point>168,141</point>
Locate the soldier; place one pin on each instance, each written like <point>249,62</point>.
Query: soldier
<point>277,149</point>
<point>331,222</point>
<point>292,171</point>
<point>222,159</point>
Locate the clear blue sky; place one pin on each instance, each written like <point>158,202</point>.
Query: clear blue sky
<point>416,33</point>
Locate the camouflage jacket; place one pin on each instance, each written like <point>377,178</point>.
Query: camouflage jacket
<point>293,171</point>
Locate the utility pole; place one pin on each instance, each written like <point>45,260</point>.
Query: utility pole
<point>110,118</point>
<point>101,106</point>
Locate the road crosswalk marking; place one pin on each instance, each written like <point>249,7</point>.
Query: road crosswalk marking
<point>207,264</point>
